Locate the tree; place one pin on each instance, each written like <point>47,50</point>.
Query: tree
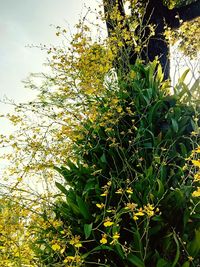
<point>159,13</point>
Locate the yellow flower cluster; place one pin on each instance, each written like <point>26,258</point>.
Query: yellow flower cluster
<point>148,210</point>
<point>114,238</point>
<point>194,158</point>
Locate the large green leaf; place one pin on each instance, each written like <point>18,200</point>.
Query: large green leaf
<point>88,230</point>
<point>135,260</point>
<point>177,256</point>
<point>83,208</point>
<point>61,188</point>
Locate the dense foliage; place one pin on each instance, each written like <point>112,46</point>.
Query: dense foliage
<point>128,201</point>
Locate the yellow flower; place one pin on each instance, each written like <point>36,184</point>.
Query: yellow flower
<point>104,239</point>
<point>197,177</point>
<point>110,210</point>
<point>131,206</point>
<point>119,109</point>
<point>132,74</point>
<point>108,222</point>
<point>197,150</point>
<point>149,209</point>
<point>104,194</point>
<point>129,190</point>
<point>139,213</point>
<point>119,191</point>
<point>109,183</point>
<point>69,258</point>
<point>116,236</point>
<point>135,218</point>
<point>196,163</point>
<point>75,241</point>
<point>55,247</point>
<point>196,193</point>
<point>100,206</point>
<point>190,258</point>
<point>78,245</point>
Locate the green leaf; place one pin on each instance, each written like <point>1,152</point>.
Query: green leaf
<point>103,158</point>
<point>73,206</point>
<point>186,264</point>
<point>194,246</point>
<point>161,189</point>
<point>177,250</point>
<point>135,260</point>
<point>162,263</point>
<point>163,172</point>
<point>83,208</point>
<point>120,251</point>
<point>183,149</point>
<point>61,188</point>
<point>98,248</point>
<point>87,230</point>
<point>183,76</point>
<point>174,125</point>
<point>152,113</point>
<point>91,184</point>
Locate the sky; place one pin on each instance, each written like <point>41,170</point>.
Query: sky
<point>24,23</point>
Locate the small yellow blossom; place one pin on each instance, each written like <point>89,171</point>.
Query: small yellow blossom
<point>149,210</point>
<point>76,242</point>
<point>197,177</point>
<point>104,239</point>
<point>129,190</point>
<point>135,218</point>
<point>56,247</point>
<point>109,183</point>
<point>119,109</point>
<point>100,206</point>
<point>190,258</point>
<point>119,191</point>
<point>69,258</point>
<point>108,222</point>
<point>131,206</point>
<point>139,213</point>
<point>196,163</point>
<point>132,74</point>
<point>197,150</point>
<point>110,210</point>
<point>196,193</point>
<point>116,236</point>
<point>104,194</point>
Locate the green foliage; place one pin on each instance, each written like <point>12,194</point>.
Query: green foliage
<point>127,199</point>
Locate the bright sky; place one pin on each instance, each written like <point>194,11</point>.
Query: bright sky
<point>23,23</point>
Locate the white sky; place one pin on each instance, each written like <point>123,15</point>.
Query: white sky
<point>23,23</point>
